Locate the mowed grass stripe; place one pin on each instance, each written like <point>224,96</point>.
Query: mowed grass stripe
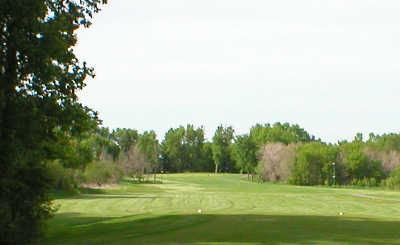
<point>235,211</point>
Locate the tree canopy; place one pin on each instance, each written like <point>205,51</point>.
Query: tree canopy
<point>40,76</point>
<point>222,150</point>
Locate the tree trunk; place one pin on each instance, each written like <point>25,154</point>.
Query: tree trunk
<point>216,168</point>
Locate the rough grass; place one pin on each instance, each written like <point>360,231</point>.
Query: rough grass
<point>235,211</point>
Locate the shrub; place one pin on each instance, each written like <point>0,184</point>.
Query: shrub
<point>102,172</point>
<point>393,182</point>
<point>63,177</point>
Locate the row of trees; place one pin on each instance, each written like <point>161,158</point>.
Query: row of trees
<point>183,149</point>
<point>276,153</point>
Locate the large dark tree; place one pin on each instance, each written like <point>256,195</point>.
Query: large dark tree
<point>39,78</point>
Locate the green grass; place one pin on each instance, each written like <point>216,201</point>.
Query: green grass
<point>235,211</point>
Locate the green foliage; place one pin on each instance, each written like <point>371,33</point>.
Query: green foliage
<point>125,138</point>
<point>185,149</point>
<point>358,165</point>
<point>182,149</point>
<point>284,133</point>
<point>393,181</point>
<point>149,146</point>
<point>64,178</point>
<point>313,165</point>
<point>364,182</point>
<point>102,147</point>
<point>386,149</point>
<point>385,142</point>
<point>24,202</point>
<point>76,153</point>
<point>245,150</point>
<point>102,172</point>
<point>193,147</point>
<point>206,162</point>
<point>222,149</point>
<point>39,76</point>
<point>172,148</point>
<point>395,172</point>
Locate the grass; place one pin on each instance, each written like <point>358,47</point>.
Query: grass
<point>235,211</point>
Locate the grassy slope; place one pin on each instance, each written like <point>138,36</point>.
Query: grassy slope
<point>234,212</point>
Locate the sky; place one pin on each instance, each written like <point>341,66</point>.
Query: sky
<point>331,66</point>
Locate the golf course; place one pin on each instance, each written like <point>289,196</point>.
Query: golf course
<point>223,209</point>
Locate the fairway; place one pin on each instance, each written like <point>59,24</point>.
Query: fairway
<point>234,211</point>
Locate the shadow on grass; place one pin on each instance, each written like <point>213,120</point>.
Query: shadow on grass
<point>62,194</point>
<point>225,229</point>
<point>92,193</point>
<point>75,219</point>
<point>112,196</point>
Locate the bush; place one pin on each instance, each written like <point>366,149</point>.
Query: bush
<point>98,173</point>
<point>63,177</point>
<point>393,182</point>
<point>102,172</point>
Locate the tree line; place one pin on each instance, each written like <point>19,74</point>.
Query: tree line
<point>185,149</point>
<point>278,152</point>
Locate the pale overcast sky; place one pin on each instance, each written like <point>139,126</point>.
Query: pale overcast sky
<point>331,66</point>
